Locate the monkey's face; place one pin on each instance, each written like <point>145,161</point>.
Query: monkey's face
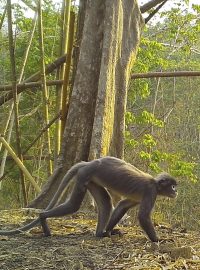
<point>172,191</point>
<point>167,186</point>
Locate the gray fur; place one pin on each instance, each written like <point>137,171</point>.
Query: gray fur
<point>99,176</point>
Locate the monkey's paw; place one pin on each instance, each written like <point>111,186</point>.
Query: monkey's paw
<point>117,232</point>
<point>102,234</point>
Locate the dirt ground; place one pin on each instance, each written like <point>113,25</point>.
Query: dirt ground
<point>73,246</point>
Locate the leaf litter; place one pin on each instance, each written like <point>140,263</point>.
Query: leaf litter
<point>73,246</point>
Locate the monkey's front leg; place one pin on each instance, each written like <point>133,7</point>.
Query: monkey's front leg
<point>144,217</point>
<point>120,210</point>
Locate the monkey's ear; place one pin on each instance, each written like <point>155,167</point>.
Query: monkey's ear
<point>164,179</point>
<point>163,182</point>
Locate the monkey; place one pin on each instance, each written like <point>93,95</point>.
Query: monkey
<point>66,179</point>
<point>98,176</point>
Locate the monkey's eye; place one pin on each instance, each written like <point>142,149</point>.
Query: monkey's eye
<point>173,187</point>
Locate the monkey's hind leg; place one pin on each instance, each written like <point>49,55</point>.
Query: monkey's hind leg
<point>71,206</point>
<point>104,206</point>
<point>44,225</point>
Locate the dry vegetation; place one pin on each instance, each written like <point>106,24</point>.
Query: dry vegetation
<point>73,246</point>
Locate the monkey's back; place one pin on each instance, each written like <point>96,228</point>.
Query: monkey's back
<point>122,177</point>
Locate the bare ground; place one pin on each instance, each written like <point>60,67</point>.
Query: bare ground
<point>73,246</point>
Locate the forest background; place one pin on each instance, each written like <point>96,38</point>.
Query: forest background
<point>162,116</point>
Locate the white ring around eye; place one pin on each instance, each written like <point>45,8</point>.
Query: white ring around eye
<point>173,187</point>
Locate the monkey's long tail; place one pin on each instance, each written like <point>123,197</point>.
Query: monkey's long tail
<point>68,176</point>
<point>22,229</point>
<point>65,181</point>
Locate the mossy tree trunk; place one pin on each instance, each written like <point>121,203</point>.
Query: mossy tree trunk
<point>95,121</point>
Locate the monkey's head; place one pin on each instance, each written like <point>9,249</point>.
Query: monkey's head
<point>166,185</point>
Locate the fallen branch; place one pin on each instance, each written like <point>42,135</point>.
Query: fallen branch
<point>165,74</point>
<point>20,164</point>
<point>35,77</point>
<point>151,4</point>
<point>23,86</point>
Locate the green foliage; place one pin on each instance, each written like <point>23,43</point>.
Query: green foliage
<point>148,58</point>
<point>129,141</point>
<point>182,168</point>
<point>144,155</point>
<point>148,118</point>
<point>148,140</point>
<point>158,139</point>
<point>30,105</point>
<point>129,118</point>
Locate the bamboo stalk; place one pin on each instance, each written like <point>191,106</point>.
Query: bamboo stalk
<point>39,163</point>
<point>44,85</point>
<point>28,46</point>
<point>5,153</point>
<point>2,168</point>
<point>59,88</point>
<point>15,101</point>
<point>64,27</point>
<point>34,141</point>
<point>20,164</point>
<point>66,91</point>
<point>6,124</point>
<point>155,101</point>
<point>3,17</point>
<point>42,131</point>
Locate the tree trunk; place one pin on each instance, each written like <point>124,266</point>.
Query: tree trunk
<point>95,121</point>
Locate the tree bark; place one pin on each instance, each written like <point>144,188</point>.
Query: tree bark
<point>122,29</point>
<point>95,121</point>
